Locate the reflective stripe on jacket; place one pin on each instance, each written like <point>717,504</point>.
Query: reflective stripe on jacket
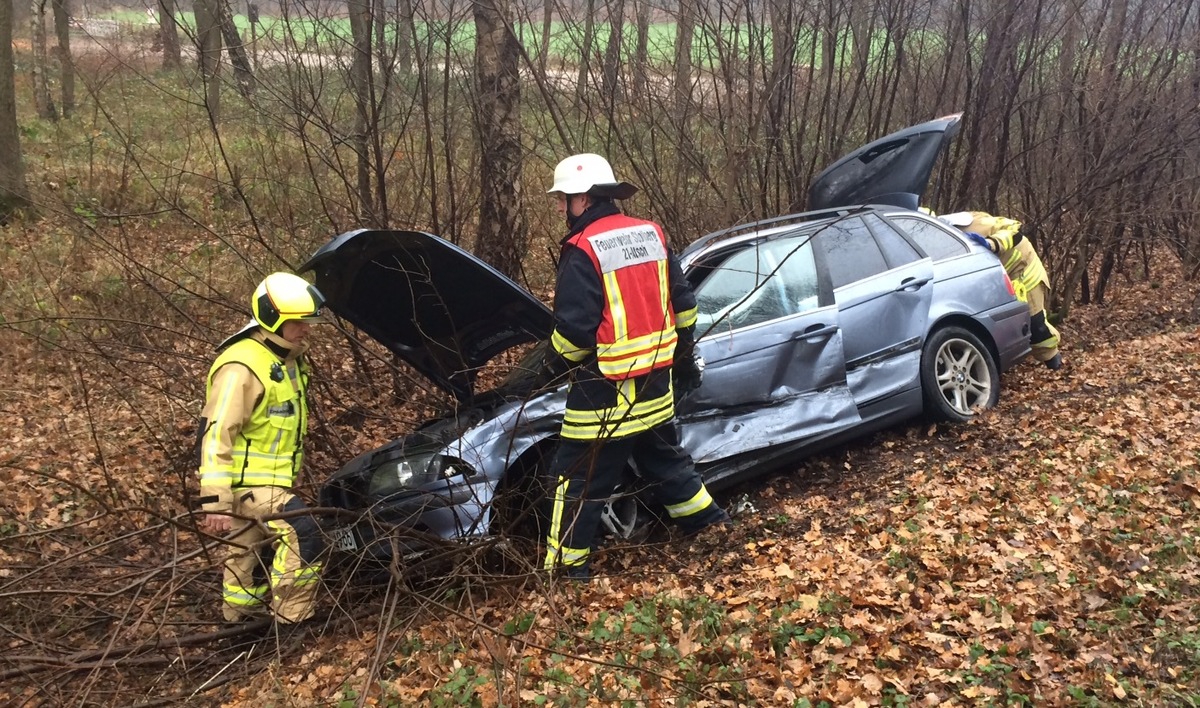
<point>268,448</point>
<point>631,306</point>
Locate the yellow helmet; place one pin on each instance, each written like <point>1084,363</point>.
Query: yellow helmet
<point>283,296</point>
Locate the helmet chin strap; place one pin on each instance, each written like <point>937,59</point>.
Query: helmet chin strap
<point>572,219</point>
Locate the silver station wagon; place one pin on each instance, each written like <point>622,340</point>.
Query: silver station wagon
<point>816,328</point>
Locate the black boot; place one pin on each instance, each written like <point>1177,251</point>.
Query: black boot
<point>1055,364</point>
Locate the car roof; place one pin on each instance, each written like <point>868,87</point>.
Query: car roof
<point>788,223</point>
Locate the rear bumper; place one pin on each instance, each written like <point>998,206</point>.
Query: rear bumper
<point>1009,326</point>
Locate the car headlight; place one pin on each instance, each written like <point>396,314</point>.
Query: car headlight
<point>414,470</point>
<point>447,467</point>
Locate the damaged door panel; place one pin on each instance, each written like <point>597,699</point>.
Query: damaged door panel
<point>795,378</point>
<point>772,345</point>
<point>883,287</point>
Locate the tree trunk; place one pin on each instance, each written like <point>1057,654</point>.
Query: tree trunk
<point>360,85</point>
<point>612,52</point>
<point>13,192</point>
<point>62,30</point>
<point>641,52</point>
<point>547,24</point>
<point>208,56</point>
<point>585,53</point>
<point>405,36</point>
<point>683,56</point>
<point>168,35</point>
<point>42,100</point>
<point>779,91</point>
<point>243,74</point>
<point>503,234</point>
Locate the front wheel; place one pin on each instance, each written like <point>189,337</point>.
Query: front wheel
<point>958,375</point>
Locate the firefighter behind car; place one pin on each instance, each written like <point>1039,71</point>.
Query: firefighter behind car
<point>624,319</point>
<point>1003,237</point>
<point>251,441</point>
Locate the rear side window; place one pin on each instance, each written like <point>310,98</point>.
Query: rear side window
<point>931,238</point>
<point>897,251</point>
<point>851,252</point>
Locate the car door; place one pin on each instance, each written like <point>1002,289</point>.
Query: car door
<point>883,287</point>
<point>772,344</point>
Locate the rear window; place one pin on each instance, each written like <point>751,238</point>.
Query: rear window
<point>931,238</point>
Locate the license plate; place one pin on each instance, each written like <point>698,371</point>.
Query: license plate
<point>342,539</point>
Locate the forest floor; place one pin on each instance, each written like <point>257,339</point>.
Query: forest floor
<point>1044,553</point>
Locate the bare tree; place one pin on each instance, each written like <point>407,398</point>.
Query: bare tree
<point>641,47</point>
<point>242,71</point>
<point>779,88</point>
<point>611,75</point>
<point>503,234</point>
<point>547,24</point>
<point>361,85</point>
<point>990,98</point>
<point>13,192</point>
<point>62,31</point>
<point>406,36</point>
<point>42,100</point>
<point>585,53</point>
<point>683,55</point>
<point>168,35</point>
<point>208,55</point>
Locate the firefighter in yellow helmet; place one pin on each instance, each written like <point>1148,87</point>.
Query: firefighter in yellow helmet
<point>251,439</point>
<point>624,325</point>
<point>1003,237</point>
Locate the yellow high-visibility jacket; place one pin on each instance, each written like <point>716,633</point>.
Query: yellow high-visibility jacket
<point>1021,261</point>
<point>255,418</point>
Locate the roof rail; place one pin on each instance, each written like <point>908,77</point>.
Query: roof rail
<point>797,218</point>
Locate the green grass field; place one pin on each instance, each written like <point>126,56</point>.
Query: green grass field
<point>457,38</point>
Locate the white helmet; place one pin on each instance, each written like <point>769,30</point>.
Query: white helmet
<point>589,173</point>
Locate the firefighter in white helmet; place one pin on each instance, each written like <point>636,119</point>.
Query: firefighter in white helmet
<point>1003,237</point>
<point>624,322</point>
<point>251,441</point>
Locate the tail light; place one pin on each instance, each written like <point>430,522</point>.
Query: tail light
<point>1008,284</point>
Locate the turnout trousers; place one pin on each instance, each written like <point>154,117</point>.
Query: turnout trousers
<point>275,564</point>
<point>587,474</point>
<point>1043,337</point>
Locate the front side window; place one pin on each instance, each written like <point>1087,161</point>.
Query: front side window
<point>759,283</point>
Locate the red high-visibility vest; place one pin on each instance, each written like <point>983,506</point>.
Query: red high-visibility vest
<point>637,332</point>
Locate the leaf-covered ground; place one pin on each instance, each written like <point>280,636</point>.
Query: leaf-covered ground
<point>1045,554</point>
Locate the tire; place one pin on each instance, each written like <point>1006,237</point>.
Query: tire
<point>958,375</point>
<point>625,518</point>
<point>521,508</point>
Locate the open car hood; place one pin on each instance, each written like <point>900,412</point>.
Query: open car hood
<point>893,170</point>
<point>440,309</point>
